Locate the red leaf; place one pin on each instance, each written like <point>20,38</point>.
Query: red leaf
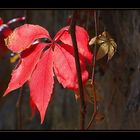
<point>23,36</point>
<point>41,83</point>
<point>82,40</point>
<point>22,73</point>
<point>1,21</point>
<point>6,32</point>
<point>33,108</point>
<point>37,67</point>
<point>65,68</point>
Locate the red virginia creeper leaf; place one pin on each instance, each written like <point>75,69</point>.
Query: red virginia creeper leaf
<point>41,82</point>
<point>1,21</point>
<point>6,32</point>
<point>33,108</point>
<point>37,67</point>
<point>65,68</point>
<point>23,36</point>
<point>82,40</point>
<point>29,59</point>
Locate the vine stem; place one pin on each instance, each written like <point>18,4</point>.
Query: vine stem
<point>95,48</point>
<point>95,109</point>
<point>93,73</point>
<point>78,68</point>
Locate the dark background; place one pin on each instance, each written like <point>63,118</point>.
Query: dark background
<point>118,80</point>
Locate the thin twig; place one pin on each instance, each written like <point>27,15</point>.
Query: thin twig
<point>93,73</point>
<point>95,109</point>
<point>95,47</point>
<point>78,68</point>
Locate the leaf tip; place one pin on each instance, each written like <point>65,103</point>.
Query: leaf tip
<point>6,92</point>
<point>42,116</point>
<point>92,41</point>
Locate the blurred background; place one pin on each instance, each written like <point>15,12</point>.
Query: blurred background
<point>117,80</point>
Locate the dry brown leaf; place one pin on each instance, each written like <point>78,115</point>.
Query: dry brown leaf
<point>99,117</point>
<point>103,50</point>
<point>88,92</point>
<point>111,52</point>
<point>101,39</point>
<point>106,43</point>
<point>92,41</point>
<point>113,43</point>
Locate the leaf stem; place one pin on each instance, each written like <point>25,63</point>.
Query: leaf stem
<point>15,20</point>
<point>82,100</point>
<point>95,47</point>
<point>95,109</point>
<point>93,73</point>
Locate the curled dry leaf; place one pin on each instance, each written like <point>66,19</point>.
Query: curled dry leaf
<point>89,92</point>
<point>106,43</point>
<point>103,50</point>
<point>99,117</point>
<point>92,41</point>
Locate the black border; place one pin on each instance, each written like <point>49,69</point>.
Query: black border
<point>71,135</point>
<point>71,4</point>
<point>66,4</point>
